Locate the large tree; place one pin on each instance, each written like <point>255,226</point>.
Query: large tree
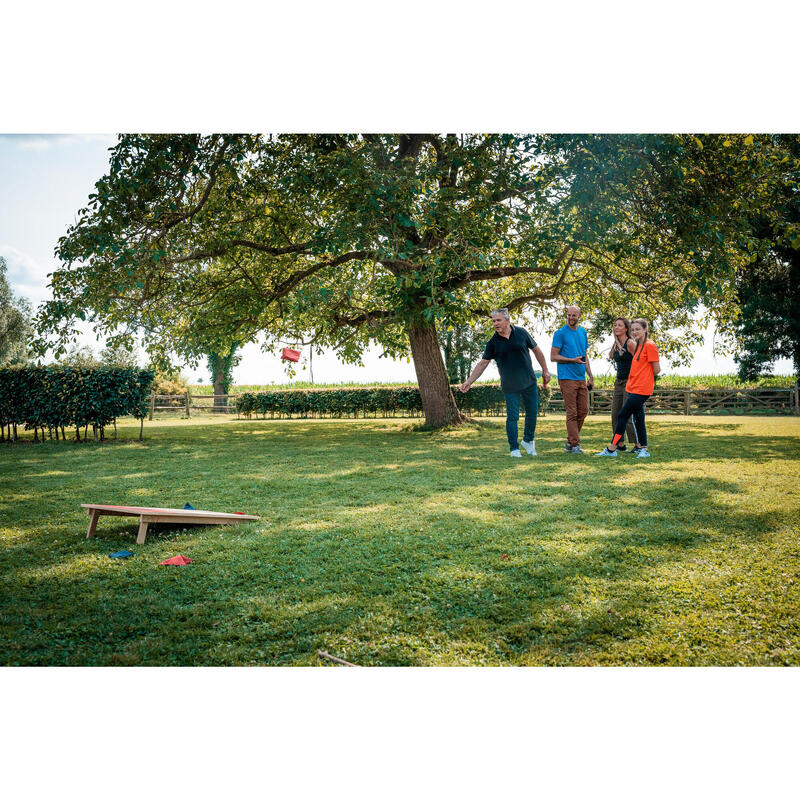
<point>768,327</point>
<point>343,239</point>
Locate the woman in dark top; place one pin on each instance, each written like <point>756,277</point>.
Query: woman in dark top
<point>621,354</point>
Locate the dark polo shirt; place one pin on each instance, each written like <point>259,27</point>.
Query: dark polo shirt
<point>513,360</point>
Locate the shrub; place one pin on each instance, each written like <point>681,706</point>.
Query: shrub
<point>56,397</point>
<point>481,398</point>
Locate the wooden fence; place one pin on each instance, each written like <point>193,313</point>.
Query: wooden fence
<point>664,401</point>
<point>187,402</point>
<point>721,400</point>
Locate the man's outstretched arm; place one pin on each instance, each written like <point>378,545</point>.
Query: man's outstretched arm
<point>476,373</point>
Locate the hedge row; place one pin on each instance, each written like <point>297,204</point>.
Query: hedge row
<point>386,401</point>
<point>53,398</point>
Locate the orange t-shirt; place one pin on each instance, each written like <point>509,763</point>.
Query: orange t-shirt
<point>641,379</point>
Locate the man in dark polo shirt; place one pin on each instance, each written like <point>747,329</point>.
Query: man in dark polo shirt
<point>509,348</point>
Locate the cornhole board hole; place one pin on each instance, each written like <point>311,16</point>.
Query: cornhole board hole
<point>147,515</point>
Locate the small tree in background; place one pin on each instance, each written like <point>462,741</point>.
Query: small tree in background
<point>462,345</point>
<point>119,356</point>
<point>168,380</point>
<point>79,355</point>
<point>15,324</point>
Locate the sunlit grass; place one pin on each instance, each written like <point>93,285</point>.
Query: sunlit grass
<point>384,545</point>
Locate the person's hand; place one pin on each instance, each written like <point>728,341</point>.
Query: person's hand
<point>465,387</point>
<point>545,378</point>
<point>578,360</point>
<point>590,384</point>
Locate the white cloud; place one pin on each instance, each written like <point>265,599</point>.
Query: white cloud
<point>42,142</point>
<point>26,276</point>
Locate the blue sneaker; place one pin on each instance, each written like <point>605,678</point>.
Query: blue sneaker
<point>643,453</point>
<point>607,452</point>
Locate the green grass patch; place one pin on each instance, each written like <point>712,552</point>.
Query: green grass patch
<point>389,546</point>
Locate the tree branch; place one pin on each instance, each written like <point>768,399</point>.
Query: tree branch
<point>203,198</point>
<point>497,272</point>
<point>261,248</point>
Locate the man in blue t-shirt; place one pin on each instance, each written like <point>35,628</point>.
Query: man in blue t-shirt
<point>570,345</point>
<point>509,348</point>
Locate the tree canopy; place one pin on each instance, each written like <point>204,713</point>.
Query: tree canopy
<point>201,242</point>
<point>768,327</point>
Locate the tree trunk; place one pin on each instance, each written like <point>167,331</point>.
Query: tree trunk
<point>219,388</point>
<point>220,368</point>
<point>438,402</point>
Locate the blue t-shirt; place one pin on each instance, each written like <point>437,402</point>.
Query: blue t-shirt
<point>571,344</point>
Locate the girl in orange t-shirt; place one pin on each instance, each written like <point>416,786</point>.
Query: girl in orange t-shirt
<point>639,387</point>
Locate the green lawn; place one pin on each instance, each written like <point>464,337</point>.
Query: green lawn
<point>383,545</point>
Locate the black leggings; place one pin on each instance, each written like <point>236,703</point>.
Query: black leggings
<point>633,407</point>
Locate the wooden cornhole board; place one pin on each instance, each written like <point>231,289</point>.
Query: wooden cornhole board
<point>147,515</point>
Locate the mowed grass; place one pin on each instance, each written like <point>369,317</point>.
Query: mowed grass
<point>388,546</point>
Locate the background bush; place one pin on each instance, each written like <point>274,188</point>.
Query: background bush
<point>53,398</point>
<point>368,401</point>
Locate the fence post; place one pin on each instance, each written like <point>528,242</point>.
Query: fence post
<point>152,404</point>
<point>687,399</point>
<point>796,398</point>
<point>187,405</point>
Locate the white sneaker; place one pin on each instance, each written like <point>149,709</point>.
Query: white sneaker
<point>530,448</point>
<point>643,453</point>
<point>607,452</point>
<point>516,454</point>
<point>577,450</point>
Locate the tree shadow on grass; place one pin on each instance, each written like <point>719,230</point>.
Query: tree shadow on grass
<point>404,597</point>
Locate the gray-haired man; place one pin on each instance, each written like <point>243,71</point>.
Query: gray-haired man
<point>509,348</point>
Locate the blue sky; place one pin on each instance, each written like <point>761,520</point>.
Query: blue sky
<point>46,179</point>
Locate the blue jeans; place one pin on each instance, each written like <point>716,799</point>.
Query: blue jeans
<point>530,399</point>
<point>633,407</point>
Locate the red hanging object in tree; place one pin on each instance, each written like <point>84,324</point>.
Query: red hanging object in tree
<point>290,355</point>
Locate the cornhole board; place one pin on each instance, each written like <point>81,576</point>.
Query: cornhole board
<point>147,515</point>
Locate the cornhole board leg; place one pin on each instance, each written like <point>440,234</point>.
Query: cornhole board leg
<point>143,523</point>
<point>93,515</point>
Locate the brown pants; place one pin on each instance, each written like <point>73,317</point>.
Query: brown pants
<point>576,402</point>
<point>618,400</point>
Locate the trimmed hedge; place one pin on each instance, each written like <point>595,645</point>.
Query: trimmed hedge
<point>53,398</point>
<point>482,398</point>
